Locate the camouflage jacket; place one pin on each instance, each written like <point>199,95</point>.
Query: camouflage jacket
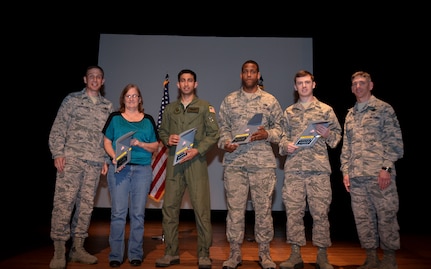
<point>235,112</point>
<point>372,139</point>
<point>77,128</point>
<point>314,158</point>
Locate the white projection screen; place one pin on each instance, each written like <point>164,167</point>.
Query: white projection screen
<point>146,60</point>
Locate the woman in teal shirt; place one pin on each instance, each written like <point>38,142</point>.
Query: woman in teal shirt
<point>130,185</point>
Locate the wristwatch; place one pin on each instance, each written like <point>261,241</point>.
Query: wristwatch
<point>387,168</point>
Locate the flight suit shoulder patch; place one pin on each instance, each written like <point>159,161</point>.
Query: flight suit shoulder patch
<point>211,109</point>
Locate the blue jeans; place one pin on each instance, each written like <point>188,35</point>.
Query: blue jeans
<point>129,192</point>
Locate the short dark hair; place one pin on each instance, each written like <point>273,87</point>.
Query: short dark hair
<point>250,62</point>
<point>186,71</point>
<point>97,67</point>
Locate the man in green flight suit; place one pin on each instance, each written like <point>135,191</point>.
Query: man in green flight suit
<point>188,112</point>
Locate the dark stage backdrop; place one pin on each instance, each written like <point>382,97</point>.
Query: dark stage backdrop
<point>48,59</point>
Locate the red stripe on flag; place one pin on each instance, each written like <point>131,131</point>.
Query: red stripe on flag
<point>159,174</point>
<point>159,161</point>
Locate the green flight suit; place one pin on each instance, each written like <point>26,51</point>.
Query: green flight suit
<point>192,175</point>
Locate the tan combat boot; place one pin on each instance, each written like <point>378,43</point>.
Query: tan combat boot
<point>322,259</point>
<point>59,259</point>
<point>372,260</point>
<point>79,254</point>
<point>235,258</point>
<point>295,260</point>
<point>265,260</point>
<point>388,260</point>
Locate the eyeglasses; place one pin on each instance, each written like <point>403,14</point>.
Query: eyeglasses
<point>130,96</point>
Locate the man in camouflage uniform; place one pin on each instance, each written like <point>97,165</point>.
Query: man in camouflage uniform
<point>250,166</point>
<point>187,112</point>
<point>307,171</point>
<point>76,145</point>
<point>372,144</point>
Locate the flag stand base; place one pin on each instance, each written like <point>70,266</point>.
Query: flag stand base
<point>159,237</point>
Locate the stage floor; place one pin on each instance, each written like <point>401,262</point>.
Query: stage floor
<point>345,253</point>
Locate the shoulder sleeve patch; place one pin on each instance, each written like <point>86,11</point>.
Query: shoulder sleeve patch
<point>211,109</point>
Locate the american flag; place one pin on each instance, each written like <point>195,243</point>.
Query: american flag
<point>159,161</point>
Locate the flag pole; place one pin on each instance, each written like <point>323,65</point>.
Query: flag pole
<point>160,161</point>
